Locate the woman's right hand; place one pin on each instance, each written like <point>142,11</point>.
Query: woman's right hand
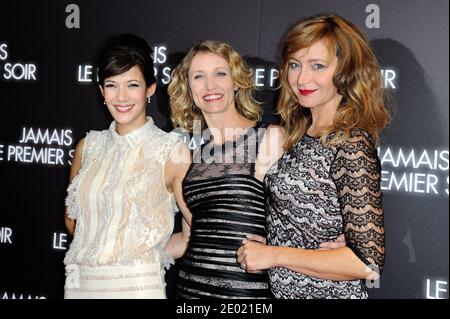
<point>339,243</point>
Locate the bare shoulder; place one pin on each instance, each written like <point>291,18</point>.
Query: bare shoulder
<point>180,153</point>
<point>179,160</point>
<point>275,136</point>
<point>272,148</point>
<point>79,151</point>
<point>277,130</point>
<point>176,167</point>
<point>77,159</point>
<point>80,146</point>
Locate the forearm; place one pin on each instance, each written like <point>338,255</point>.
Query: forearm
<point>336,264</point>
<point>176,246</point>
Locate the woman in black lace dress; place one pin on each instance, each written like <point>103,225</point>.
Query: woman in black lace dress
<point>328,182</point>
<point>223,189</point>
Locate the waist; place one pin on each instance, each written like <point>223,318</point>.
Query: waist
<point>113,271</point>
<point>134,281</point>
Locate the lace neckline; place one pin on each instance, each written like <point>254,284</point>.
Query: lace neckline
<point>135,137</point>
<point>238,138</point>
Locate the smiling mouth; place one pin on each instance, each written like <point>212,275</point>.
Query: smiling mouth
<point>307,92</point>
<point>123,108</point>
<point>212,97</point>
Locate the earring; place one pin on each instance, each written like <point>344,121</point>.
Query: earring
<point>148,99</point>
<point>104,102</point>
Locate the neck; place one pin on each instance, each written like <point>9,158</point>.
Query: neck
<point>123,129</point>
<point>319,123</point>
<point>223,126</point>
<point>322,117</point>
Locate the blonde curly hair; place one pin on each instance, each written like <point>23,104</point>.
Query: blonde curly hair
<point>357,79</point>
<point>183,111</point>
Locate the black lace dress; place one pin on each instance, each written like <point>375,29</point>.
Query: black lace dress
<point>316,193</point>
<point>227,203</point>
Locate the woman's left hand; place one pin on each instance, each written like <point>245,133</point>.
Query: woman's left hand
<point>255,238</point>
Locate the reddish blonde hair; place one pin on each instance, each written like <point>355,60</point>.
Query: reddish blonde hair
<point>357,79</point>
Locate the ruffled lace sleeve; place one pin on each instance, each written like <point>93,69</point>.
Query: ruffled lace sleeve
<point>168,142</point>
<point>173,140</point>
<point>72,200</point>
<point>356,171</point>
<point>166,259</point>
<point>92,141</point>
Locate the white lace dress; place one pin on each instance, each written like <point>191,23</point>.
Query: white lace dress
<point>124,215</point>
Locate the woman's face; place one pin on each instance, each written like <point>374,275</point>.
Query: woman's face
<point>211,84</point>
<point>126,97</point>
<point>310,76</point>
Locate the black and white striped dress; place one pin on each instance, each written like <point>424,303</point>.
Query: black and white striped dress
<point>227,203</point>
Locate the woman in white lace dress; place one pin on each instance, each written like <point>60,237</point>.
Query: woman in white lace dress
<point>124,181</point>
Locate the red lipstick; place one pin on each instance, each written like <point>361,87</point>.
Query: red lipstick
<point>307,92</point>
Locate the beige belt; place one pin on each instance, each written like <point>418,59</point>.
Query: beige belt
<point>139,281</point>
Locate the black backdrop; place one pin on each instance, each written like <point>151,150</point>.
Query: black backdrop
<point>49,101</point>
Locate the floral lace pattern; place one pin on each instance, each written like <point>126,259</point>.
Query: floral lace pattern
<point>317,194</point>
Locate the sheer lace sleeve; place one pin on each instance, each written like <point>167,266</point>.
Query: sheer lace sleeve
<point>94,141</point>
<point>170,141</point>
<point>356,171</point>
<point>72,200</point>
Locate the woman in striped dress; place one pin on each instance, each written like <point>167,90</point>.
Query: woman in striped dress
<point>223,188</point>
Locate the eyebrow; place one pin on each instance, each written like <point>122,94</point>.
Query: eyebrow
<point>215,69</point>
<point>134,80</point>
<point>311,60</point>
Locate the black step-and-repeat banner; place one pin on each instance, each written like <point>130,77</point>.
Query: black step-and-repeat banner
<point>49,100</point>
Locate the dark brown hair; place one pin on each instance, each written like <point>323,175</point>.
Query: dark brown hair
<point>122,52</point>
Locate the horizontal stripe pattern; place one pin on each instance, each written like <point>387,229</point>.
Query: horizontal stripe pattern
<point>224,210</point>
